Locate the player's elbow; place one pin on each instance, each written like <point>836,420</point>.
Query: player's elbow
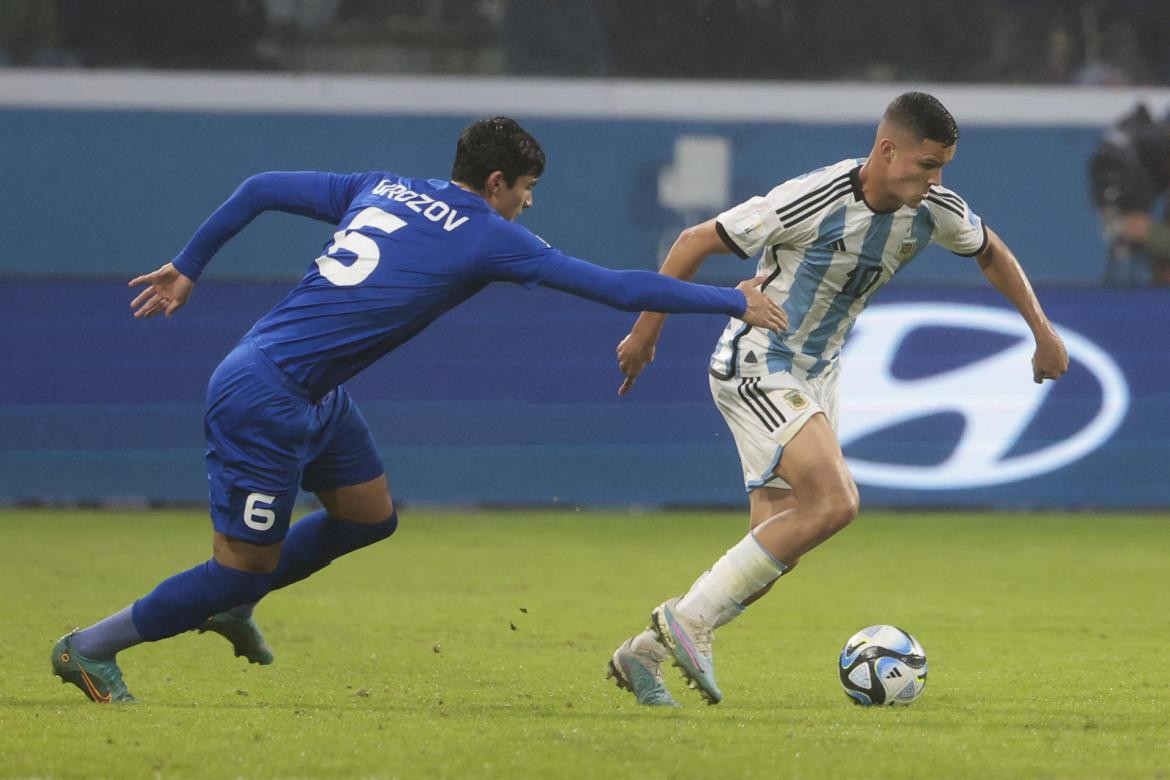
<point>690,235</point>
<point>262,191</point>
<point>253,187</point>
<point>629,302</point>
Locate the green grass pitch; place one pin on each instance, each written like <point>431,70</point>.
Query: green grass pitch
<point>474,645</point>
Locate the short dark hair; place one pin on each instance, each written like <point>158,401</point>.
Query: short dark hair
<point>925,116</point>
<point>496,144</point>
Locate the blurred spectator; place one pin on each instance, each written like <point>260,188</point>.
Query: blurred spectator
<point>302,15</point>
<point>1013,41</point>
<point>565,38</point>
<point>30,34</point>
<point>1130,175</point>
<point>211,34</point>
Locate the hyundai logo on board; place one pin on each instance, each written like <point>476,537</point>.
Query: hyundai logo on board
<point>995,396</point>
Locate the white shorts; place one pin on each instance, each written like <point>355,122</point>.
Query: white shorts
<point>765,412</point>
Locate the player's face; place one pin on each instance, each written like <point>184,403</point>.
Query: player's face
<point>916,167</point>
<point>510,202</point>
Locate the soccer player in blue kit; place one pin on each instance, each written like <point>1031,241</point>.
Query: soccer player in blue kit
<point>278,416</point>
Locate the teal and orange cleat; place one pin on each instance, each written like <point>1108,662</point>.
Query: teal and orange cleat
<point>689,641</point>
<point>101,681</point>
<point>243,633</point>
<point>639,671</point>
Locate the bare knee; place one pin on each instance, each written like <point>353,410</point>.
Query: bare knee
<point>836,511</point>
<point>244,556</point>
<point>367,503</point>
<point>377,510</point>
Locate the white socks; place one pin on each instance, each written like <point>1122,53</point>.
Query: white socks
<point>647,642</point>
<point>717,596</point>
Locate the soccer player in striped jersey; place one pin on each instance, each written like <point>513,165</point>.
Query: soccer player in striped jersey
<point>827,242</point>
<point>278,416</point>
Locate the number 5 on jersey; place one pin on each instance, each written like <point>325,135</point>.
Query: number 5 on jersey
<point>365,248</point>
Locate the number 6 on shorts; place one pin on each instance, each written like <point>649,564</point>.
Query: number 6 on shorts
<point>259,518</point>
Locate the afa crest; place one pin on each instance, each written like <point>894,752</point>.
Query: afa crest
<point>795,399</point>
<point>907,248</point>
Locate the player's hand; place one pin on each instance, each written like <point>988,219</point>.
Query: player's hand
<point>1050,359</point>
<point>634,353</point>
<point>761,311</point>
<point>167,291</point>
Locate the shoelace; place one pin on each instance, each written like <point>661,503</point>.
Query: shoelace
<point>703,638</point>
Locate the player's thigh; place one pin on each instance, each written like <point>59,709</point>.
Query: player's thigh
<point>254,429</point>
<point>345,471</point>
<point>814,465</point>
<point>763,413</point>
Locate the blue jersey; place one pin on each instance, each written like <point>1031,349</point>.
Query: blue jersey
<point>407,250</point>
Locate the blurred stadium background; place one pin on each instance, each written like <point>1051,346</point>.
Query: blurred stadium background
<point>126,122</point>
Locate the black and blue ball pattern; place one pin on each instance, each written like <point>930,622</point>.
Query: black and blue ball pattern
<point>882,665</point>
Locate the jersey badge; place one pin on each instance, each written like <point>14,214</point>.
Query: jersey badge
<point>795,399</point>
<point>907,248</point>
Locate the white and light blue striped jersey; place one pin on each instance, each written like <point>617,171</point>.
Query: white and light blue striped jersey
<point>825,253</point>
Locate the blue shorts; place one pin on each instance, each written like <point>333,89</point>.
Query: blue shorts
<point>265,438</point>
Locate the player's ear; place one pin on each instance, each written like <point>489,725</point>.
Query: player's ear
<point>886,148</point>
<point>494,182</point>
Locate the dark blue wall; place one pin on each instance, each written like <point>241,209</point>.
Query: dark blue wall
<point>511,399</point>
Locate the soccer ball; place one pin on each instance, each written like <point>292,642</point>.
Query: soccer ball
<point>883,665</point>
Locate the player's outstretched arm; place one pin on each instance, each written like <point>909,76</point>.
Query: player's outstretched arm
<point>999,265</point>
<point>646,291</point>
<point>323,196</point>
<point>166,291</point>
<point>692,247</point>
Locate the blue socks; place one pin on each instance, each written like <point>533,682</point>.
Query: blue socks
<point>317,540</point>
<point>185,600</point>
<point>176,604</point>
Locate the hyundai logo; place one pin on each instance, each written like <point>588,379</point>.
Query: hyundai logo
<point>995,396</point>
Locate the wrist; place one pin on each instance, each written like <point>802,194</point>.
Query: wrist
<point>648,326</point>
<point>187,266</point>
<point>1042,330</point>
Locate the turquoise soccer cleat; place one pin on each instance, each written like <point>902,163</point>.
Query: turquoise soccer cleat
<point>243,633</point>
<point>101,681</point>
<point>640,672</point>
<point>689,641</point>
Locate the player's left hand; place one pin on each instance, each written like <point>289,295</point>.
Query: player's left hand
<point>634,353</point>
<point>168,290</point>
<point>1050,359</point>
